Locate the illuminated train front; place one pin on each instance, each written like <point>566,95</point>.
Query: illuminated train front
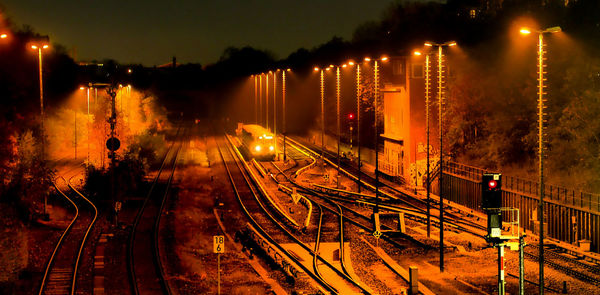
<point>259,142</point>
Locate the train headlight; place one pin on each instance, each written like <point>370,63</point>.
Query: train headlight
<point>257,148</point>
<point>271,148</point>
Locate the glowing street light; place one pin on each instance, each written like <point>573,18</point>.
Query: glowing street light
<point>267,100</point>
<point>440,91</point>
<point>427,104</point>
<point>3,36</point>
<point>283,98</point>
<point>358,121</point>
<point>541,100</point>
<point>322,88</point>
<point>255,99</point>
<point>376,102</point>
<point>39,44</point>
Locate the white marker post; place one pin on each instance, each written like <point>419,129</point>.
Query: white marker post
<point>218,248</point>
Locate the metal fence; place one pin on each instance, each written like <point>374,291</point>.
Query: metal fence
<point>570,215</point>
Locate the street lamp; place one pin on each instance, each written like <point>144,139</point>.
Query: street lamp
<point>283,97</point>
<point>267,101</point>
<point>255,99</point>
<point>88,119</point>
<point>39,44</point>
<point>541,100</point>
<point>322,88</point>
<point>440,92</point>
<point>427,104</point>
<point>376,107</point>
<point>357,119</point>
<point>260,98</point>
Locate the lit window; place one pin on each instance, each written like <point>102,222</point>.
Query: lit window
<point>473,13</point>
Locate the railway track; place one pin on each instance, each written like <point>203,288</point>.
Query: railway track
<point>60,276</point>
<point>555,258</point>
<point>249,197</point>
<point>146,273</point>
<point>398,200</point>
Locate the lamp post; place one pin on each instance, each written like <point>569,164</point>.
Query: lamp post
<point>284,125</point>
<point>322,88</point>
<point>376,104</point>
<point>260,98</point>
<point>275,109</point>
<point>358,121</point>
<point>87,90</point>
<point>267,101</point>
<point>541,99</point>
<point>427,103</point>
<point>337,96</point>
<point>38,45</point>
<point>440,92</point>
<point>255,100</point>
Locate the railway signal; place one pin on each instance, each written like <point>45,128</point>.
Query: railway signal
<point>491,202</point>
<point>491,195</point>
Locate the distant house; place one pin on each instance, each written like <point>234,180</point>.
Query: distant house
<point>404,128</point>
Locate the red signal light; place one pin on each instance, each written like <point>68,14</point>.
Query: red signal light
<point>492,184</point>
<point>350,116</point>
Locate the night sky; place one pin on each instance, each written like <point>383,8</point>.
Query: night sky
<point>152,31</point>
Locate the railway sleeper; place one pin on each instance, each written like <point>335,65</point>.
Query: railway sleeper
<point>263,248</point>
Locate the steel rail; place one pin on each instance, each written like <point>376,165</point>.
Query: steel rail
<point>157,223</point>
<point>235,155</point>
<point>60,240</point>
<point>303,245</point>
<point>87,232</point>
<point>130,254</point>
<point>457,220</point>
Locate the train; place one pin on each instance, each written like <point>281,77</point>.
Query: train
<point>258,141</point>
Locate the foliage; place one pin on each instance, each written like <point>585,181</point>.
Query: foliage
<point>147,148</point>
<point>13,246</point>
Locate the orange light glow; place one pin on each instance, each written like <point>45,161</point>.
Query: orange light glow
<point>417,53</point>
<point>367,59</point>
<point>129,71</point>
<point>331,66</point>
<point>316,69</point>
<point>525,31</point>
<point>344,65</point>
<point>288,70</point>
<point>351,63</point>
<point>453,43</point>
<point>81,88</point>
<point>3,36</point>
<point>328,68</point>
<point>428,44</point>
<point>34,47</point>
<point>384,58</point>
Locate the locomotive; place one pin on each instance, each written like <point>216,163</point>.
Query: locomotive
<point>258,141</point>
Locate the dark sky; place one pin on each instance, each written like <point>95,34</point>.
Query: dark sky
<point>152,31</point>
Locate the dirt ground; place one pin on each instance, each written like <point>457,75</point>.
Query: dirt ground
<point>191,263</point>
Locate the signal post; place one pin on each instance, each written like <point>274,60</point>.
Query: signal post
<point>491,203</point>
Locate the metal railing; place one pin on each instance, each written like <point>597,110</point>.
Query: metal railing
<point>562,195</point>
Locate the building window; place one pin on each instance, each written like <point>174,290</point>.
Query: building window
<point>417,70</point>
<point>398,67</point>
<point>473,13</point>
